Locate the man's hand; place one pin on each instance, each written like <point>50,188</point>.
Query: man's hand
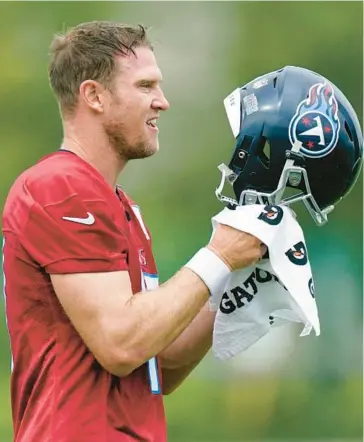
<point>236,248</point>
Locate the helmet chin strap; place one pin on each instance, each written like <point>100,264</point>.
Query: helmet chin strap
<point>291,173</point>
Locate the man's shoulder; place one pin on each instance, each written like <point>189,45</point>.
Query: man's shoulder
<point>54,180</point>
<point>57,176</point>
<point>58,169</point>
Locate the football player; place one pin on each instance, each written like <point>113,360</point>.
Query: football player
<point>95,341</point>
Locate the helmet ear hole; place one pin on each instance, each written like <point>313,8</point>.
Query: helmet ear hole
<point>264,152</point>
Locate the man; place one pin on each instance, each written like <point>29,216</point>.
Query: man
<point>95,342</point>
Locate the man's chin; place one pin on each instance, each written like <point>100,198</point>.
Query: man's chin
<point>152,149</point>
<point>144,151</point>
<point>155,148</point>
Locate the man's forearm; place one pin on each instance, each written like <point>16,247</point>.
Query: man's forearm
<point>159,316</point>
<point>184,354</point>
<point>193,344</point>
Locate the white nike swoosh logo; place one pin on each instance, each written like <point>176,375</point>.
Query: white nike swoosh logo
<point>88,221</point>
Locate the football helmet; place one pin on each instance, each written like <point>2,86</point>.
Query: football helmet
<point>293,129</point>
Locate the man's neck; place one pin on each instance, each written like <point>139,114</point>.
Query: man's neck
<point>99,155</point>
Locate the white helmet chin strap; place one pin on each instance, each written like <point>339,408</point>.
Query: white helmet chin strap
<point>291,173</point>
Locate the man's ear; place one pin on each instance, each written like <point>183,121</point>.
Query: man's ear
<point>92,93</point>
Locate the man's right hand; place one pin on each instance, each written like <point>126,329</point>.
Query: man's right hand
<point>236,248</point>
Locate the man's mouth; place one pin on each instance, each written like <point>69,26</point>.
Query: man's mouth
<point>152,123</point>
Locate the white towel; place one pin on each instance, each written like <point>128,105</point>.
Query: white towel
<point>276,290</point>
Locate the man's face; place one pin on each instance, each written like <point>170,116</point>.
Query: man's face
<point>135,102</point>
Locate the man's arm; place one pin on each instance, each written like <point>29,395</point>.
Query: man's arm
<point>185,353</point>
<point>123,330</point>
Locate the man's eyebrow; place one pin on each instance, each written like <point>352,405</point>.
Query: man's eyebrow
<point>150,81</point>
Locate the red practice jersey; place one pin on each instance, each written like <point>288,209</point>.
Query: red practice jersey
<point>62,217</point>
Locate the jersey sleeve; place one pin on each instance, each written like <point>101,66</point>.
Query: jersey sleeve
<point>75,234</point>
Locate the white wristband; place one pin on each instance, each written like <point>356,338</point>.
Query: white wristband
<point>211,269</point>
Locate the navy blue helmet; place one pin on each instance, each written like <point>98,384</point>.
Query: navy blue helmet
<point>293,129</point>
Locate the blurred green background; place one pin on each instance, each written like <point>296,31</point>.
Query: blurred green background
<point>284,388</point>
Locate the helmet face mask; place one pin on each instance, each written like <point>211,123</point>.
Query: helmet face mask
<point>290,173</point>
<point>314,138</point>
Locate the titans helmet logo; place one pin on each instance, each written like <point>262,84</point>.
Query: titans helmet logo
<point>316,124</point>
